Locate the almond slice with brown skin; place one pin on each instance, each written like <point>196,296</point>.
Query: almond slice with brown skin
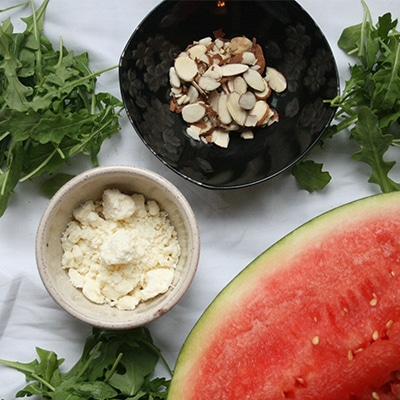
<point>276,80</point>
<point>274,117</point>
<point>260,110</point>
<point>264,94</point>
<point>254,79</point>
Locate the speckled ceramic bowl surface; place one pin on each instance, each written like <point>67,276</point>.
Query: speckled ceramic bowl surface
<point>292,43</point>
<point>90,185</point>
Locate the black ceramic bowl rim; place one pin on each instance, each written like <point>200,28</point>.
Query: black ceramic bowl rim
<point>318,80</point>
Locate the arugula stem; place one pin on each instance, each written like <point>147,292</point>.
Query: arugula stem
<point>11,7</point>
<point>44,382</point>
<point>61,53</point>
<point>4,135</point>
<point>38,52</point>
<point>395,69</point>
<point>114,367</point>
<point>89,360</point>
<point>364,38</point>
<point>39,167</point>
<point>60,152</point>
<point>5,180</point>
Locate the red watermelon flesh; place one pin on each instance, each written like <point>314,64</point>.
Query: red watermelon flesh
<point>316,316</point>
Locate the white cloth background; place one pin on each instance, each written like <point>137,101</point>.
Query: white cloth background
<point>235,226</point>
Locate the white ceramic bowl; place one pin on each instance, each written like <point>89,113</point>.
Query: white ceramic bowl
<point>90,186</point>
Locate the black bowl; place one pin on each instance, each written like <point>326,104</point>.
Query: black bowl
<point>292,43</point>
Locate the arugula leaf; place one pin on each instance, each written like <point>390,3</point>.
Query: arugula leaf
<point>373,144</point>
<point>310,175</point>
<point>369,106</point>
<point>49,108</point>
<point>113,365</point>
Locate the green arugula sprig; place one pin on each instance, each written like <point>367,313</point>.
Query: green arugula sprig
<point>49,110</point>
<point>113,365</point>
<point>369,106</point>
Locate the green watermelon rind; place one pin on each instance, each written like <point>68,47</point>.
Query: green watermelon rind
<point>334,220</point>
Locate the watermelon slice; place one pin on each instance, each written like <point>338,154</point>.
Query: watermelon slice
<point>316,316</point>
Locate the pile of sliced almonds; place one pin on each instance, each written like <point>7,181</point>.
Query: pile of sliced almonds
<point>221,85</point>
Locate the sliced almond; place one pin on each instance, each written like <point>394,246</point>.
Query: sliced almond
<point>247,100</point>
<point>196,51</point>
<point>240,44</point>
<point>185,67</point>
<point>206,127</point>
<point>193,94</point>
<point>205,59</point>
<point>247,134</point>
<point>193,131</point>
<point>205,41</point>
<point>208,84</point>
<point>274,118</point>
<point>251,120</point>
<point>254,79</point>
<point>183,99</point>
<point>233,69</point>
<point>233,126</point>
<point>174,80</point>
<point>268,117</point>
<point>193,112</point>
<point>176,91</point>
<point>214,71</point>
<point>239,85</point>
<point>230,86</point>
<point>263,94</point>
<point>219,43</point>
<point>237,113</point>
<point>260,110</point>
<point>220,138</point>
<point>223,112</point>
<point>248,58</point>
<point>213,101</point>
<point>276,80</point>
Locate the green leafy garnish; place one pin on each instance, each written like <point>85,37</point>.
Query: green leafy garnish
<point>113,365</point>
<point>310,175</point>
<point>369,107</point>
<point>49,109</point>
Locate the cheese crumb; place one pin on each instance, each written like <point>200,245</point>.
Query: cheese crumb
<point>121,250</point>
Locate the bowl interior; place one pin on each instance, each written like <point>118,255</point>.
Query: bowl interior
<point>292,43</point>
<point>91,186</point>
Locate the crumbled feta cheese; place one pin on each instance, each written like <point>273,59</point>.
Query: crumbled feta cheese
<point>117,205</point>
<point>118,248</point>
<point>121,250</point>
